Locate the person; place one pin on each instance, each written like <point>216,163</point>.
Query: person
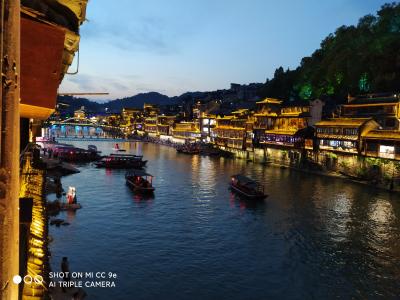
<point>65,269</point>
<point>58,184</point>
<point>74,199</point>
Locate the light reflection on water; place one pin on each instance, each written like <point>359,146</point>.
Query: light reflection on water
<point>313,237</point>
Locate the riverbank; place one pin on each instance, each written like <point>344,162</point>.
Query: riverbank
<point>282,158</point>
<point>308,226</point>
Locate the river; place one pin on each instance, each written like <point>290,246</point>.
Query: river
<point>313,238</point>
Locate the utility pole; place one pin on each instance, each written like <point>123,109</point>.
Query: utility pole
<point>9,148</point>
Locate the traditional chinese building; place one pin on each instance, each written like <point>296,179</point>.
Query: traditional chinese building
<point>385,109</point>
<point>150,126</point>
<point>265,115</point>
<point>150,110</point>
<point>207,124</point>
<point>132,120</point>
<point>382,144</point>
<point>343,134</point>
<point>290,127</point>
<point>80,113</point>
<point>249,136</point>
<point>230,131</point>
<point>186,132</point>
<point>165,125</point>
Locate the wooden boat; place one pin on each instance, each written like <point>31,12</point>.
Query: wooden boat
<point>121,161</point>
<point>188,148</point>
<point>70,206</point>
<point>214,151</point>
<point>140,181</point>
<point>71,203</point>
<point>93,148</point>
<point>247,187</point>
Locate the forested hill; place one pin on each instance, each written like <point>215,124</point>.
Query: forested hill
<point>353,60</point>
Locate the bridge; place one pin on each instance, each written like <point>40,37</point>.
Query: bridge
<point>82,128</point>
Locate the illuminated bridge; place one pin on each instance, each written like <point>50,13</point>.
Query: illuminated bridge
<point>82,128</point>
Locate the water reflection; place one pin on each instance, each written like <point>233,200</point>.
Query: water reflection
<point>313,237</point>
<point>71,214</point>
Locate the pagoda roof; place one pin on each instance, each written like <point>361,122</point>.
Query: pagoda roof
<point>270,100</point>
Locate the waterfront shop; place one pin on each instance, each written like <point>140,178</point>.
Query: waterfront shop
<point>343,134</point>
<point>186,132</point>
<point>150,126</point>
<point>165,125</point>
<point>382,144</point>
<point>265,115</point>
<point>230,132</point>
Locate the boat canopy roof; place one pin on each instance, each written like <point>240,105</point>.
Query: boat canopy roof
<point>244,180</point>
<point>139,173</point>
<point>125,155</point>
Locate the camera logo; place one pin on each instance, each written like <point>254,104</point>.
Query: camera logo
<point>28,279</point>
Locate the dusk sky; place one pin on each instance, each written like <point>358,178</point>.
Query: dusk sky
<point>129,47</point>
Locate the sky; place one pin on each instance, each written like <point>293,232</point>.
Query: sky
<point>171,47</point>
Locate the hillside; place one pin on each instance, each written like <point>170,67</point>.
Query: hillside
<point>353,60</point>
<point>136,101</point>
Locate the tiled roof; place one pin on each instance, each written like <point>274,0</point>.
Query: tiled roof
<point>383,135</point>
<point>344,122</point>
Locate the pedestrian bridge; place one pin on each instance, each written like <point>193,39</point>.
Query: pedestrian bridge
<point>82,128</point>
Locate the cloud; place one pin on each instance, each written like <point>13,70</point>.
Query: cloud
<point>147,34</point>
<point>117,87</point>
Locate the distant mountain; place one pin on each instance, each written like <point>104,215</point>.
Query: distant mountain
<point>138,100</point>
<point>115,106</point>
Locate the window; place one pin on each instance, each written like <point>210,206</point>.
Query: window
<point>390,123</point>
<point>350,131</point>
<point>386,151</point>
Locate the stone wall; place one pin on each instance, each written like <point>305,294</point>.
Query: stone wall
<point>383,173</point>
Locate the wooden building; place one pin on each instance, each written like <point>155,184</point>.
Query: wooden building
<point>290,126</point>
<point>150,125</point>
<point>165,125</point>
<point>382,144</point>
<point>385,109</point>
<point>230,131</point>
<point>343,134</point>
<point>186,132</point>
<point>265,115</point>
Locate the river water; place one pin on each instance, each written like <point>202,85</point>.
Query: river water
<point>313,238</point>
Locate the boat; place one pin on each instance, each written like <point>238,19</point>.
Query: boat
<point>121,161</point>
<point>70,153</point>
<point>116,148</point>
<point>93,149</point>
<point>247,187</point>
<point>188,148</point>
<point>211,150</point>
<point>70,206</point>
<point>140,181</point>
<point>71,203</point>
